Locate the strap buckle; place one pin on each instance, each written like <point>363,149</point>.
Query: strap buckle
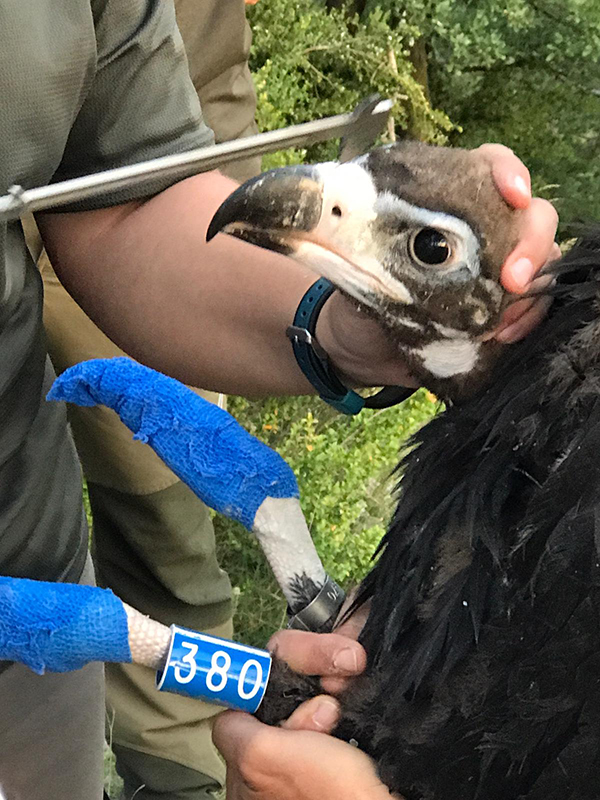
<point>297,334</point>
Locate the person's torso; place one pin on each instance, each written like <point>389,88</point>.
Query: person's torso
<point>43,81</point>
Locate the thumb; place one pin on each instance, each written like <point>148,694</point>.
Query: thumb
<point>233,732</point>
<point>320,714</point>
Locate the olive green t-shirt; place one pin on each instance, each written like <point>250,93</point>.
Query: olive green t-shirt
<point>85,85</point>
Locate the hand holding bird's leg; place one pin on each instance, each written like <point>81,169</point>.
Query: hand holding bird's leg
<point>300,660</point>
<point>296,763</point>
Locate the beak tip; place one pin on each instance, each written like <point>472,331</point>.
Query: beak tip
<point>214,227</point>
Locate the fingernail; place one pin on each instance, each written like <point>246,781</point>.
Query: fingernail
<point>522,271</point>
<point>326,715</point>
<point>520,184</point>
<point>504,335</point>
<point>346,660</point>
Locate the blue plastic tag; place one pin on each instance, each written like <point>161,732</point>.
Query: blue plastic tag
<point>216,670</point>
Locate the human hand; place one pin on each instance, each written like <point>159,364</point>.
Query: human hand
<point>265,763</point>
<point>535,249</point>
<point>295,761</point>
<point>336,657</point>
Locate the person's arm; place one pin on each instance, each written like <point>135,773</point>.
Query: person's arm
<point>215,314</point>
<point>212,315</point>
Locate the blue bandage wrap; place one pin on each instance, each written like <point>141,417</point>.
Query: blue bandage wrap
<point>60,626</point>
<point>229,470</point>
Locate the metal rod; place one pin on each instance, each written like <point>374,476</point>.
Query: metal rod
<point>363,124</point>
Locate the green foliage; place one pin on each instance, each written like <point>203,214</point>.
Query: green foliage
<point>343,465</point>
<point>520,72</point>
<point>308,63</point>
<point>563,35</point>
<point>526,74</point>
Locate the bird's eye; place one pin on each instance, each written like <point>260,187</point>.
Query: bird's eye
<point>430,247</point>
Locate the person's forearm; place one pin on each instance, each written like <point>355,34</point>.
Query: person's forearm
<point>213,314</point>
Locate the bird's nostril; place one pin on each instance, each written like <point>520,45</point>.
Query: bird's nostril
<point>336,211</point>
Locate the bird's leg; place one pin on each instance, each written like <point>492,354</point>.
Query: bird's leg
<point>285,692</point>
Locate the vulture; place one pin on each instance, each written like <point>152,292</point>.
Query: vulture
<point>483,631</point>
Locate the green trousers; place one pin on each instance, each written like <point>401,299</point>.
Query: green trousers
<point>153,541</point>
<point>58,717</point>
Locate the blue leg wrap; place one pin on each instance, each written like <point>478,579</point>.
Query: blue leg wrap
<point>229,470</point>
<point>60,626</point>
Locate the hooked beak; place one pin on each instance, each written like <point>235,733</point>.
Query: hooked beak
<point>273,209</point>
<point>323,217</point>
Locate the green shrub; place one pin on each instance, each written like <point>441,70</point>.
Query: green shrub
<point>308,63</point>
<point>343,465</point>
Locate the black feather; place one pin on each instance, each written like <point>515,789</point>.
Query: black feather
<point>483,634</point>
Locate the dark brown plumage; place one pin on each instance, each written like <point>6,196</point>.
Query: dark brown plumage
<point>483,635</point>
<point>484,630</point>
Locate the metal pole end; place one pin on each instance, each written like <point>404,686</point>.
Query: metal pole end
<point>368,120</point>
<point>13,204</point>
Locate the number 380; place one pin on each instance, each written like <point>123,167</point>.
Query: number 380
<point>217,675</point>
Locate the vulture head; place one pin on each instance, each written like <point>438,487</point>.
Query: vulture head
<point>413,234</point>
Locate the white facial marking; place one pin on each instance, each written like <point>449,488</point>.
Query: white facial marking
<point>281,529</point>
<point>410,323</point>
<point>357,277</point>
<point>341,246</point>
<point>450,333</point>
<point>349,184</point>
<point>448,357</point>
<point>463,235</point>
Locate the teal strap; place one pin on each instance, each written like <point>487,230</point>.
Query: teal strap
<point>312,359</point>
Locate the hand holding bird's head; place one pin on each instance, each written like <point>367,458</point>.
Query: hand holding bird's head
<point>416,235</point>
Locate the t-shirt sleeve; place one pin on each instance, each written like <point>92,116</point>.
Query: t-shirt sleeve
<point>141,103</point>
